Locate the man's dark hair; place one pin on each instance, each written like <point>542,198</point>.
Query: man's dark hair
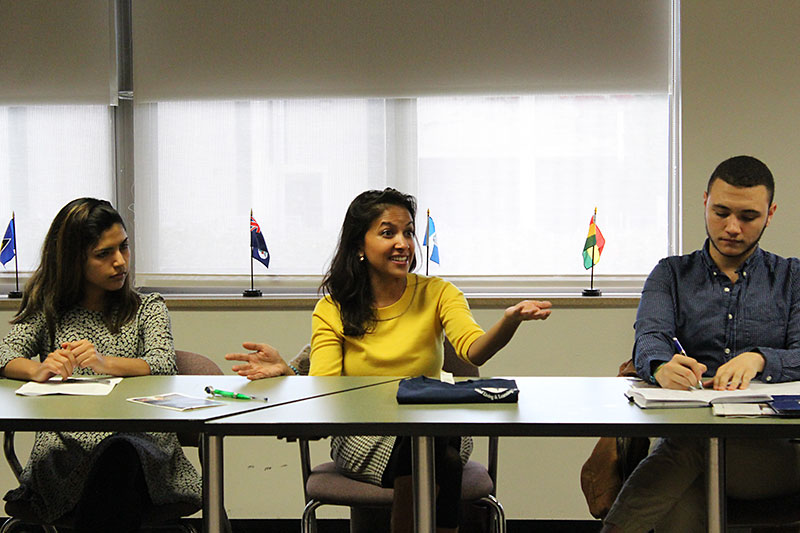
<point>744,171</point>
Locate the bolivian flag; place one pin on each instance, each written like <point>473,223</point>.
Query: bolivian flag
<point>593,246</point>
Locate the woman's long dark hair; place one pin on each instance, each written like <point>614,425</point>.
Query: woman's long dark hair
<point>347,280</point>
<point>59,283</point>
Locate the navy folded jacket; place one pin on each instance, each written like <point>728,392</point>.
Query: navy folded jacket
<point>428,390</point>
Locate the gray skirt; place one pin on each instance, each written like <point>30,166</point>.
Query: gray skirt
<point>365,457</point>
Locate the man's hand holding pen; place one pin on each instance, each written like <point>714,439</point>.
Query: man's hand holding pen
<point>681,372</point>
<point>684,372</point>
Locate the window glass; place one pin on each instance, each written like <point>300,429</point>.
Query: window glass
<point>50,155</point>
<point>512,182</point>
<point>202,166</point>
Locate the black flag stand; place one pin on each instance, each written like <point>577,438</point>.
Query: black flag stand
<point>591,291</point>
<point>15,293</point>
<point>251,292</point>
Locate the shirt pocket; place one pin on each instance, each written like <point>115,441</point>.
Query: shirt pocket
<point>762,322</point>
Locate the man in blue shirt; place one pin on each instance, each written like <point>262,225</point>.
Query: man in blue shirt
<point>736,310</point>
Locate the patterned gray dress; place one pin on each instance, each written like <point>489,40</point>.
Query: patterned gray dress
<point>59,464</point>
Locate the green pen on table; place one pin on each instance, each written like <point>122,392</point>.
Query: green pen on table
<point>228,394</point>
<point>678,346</point>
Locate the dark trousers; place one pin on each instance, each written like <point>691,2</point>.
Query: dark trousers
<point>115,496</point>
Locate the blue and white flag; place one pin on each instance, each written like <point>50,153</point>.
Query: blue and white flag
<point>257,243</point>
<point>431,233</point>
<point>8,249</point>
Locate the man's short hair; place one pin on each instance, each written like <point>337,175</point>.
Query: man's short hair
<point>744,171</point>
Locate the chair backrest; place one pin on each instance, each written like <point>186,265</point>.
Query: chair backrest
<point>195,364</point>
<point>455,365</point>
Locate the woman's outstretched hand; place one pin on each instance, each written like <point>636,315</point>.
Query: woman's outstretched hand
<point>529,310</point>
<point>263,361</point>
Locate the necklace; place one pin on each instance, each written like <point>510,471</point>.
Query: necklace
<point>410,301</point>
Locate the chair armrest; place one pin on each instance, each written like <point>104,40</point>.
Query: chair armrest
<point>11,454</point>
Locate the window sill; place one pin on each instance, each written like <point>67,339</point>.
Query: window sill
<point>225,302</point>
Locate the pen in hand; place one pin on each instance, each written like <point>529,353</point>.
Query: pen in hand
<point>680,349</point>
<point>228,394</point>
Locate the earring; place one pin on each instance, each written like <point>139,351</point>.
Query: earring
<point>361,257</point>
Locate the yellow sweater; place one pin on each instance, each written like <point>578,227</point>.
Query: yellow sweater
<point>406,340</point>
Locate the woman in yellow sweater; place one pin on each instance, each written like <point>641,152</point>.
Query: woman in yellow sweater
<point>378,318</point>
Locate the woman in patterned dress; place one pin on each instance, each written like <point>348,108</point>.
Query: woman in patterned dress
<point>378,318</point>
<point>80,316</point>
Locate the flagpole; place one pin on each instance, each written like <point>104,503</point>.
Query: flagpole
<point>427,241</point>
<point>251,292</point>
<point>15,293</point>
<point>591,291</point>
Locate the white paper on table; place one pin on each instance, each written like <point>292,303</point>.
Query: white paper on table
<point>75,386</point>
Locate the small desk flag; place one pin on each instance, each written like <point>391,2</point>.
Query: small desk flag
<point>8,247</point>
<point>594,244</point>
<point>257,243</point>
<point>432,234</point>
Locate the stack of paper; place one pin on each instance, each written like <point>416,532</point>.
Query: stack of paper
<point>77,386</point>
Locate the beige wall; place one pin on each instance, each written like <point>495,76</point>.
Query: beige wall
<point>741,78</point>
<point>741,81</point>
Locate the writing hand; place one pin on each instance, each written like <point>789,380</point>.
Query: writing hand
<point>60,362</point>
<point>86,356</point>
<point>263,362</point>
<point>681,373</point>
<point>529,310</point>
<point>737,373</point>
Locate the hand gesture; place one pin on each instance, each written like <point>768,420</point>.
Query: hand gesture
<point>263,362</point>
<point>529,310</point>
<point>87,357</point>
<point>737,373</point>
<point>58,363</point>
<point>681,372</point>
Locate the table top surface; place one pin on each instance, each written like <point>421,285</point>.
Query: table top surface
<point>114,413</point>
<point>548,406</point>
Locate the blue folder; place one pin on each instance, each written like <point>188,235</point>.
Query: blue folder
<point>427,390</point>
<point>786,404</point>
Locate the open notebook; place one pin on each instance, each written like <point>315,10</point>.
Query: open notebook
<point>649,396</point>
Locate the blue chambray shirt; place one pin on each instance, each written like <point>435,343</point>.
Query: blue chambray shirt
<point>690,298</point>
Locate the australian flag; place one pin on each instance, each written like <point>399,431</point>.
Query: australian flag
<point>257,244</point>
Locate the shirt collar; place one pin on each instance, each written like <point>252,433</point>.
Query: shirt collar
<point>752,262</point>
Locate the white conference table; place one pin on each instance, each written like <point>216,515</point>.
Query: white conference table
<point>548,407</point>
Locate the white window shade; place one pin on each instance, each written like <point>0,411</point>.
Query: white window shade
<point>55,52</point>
<point>232,49</point>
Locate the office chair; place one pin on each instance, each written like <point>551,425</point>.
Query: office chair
<point>370,505</point>
<point>168,516</point>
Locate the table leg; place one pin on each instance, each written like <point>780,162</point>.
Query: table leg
<point>213,488</point>
<point>715,484</point>
<point>424,490</point>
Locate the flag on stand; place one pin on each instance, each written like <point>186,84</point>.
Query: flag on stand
<point>257,243</point>
<point>431,233</point>
<point>8,249</point>
<point>594,244</point>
